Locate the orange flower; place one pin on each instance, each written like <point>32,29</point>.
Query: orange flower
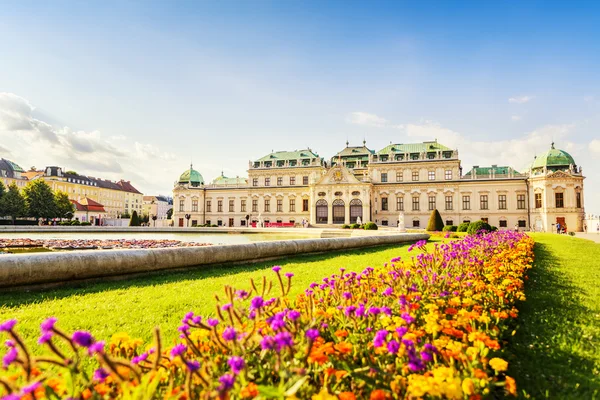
<point>343,347</point>
<point>101,388</point>
<point>86,394</point>
<point>379,395</point>
<point>250,391</point>
<point>346,396</point>
<point>492,344</point>
<point>480,374</point>
<point>342,333</point>
<point>450,311</point>
<point>511,386</point>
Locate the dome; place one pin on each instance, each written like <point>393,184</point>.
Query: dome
<point>553,158</point>
<point>191,176</point>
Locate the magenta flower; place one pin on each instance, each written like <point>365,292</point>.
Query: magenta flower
<point>100,375</point>
<point>10,357</point>
<point>229,334</point>
<point>283,339</point>
<point>388,292</point>
<point>31,388</point>
<point>312,334</point>
<point>83,338</point>
<point>293,315</point>
<point>267,343</point>
<point>213,322</point>
<point>393,346</point>
<point>276,268</point>
<point>7,326</point>
<point>227,381</point>
<point>380,337</point>
<point>257,303</point>
<point>97,348</point>
<point>289,275</point>
<point>178,350</point>
<point>138,359</point>
<point>46,336</point>
<point>237,364</point>
<point>192,365</point>
<point>48,324</point>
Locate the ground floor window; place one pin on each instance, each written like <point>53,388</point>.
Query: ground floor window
<point>219,223</point>
<point>416,223</point>
<point>466,221</point>
<point>243,222</point>
<point>339,211</point>
<point>355,210</point>
<point>503,223</point>
<point>321,211</point>
<point>522,223</point>
<point>194,222</point>
<point>449,222</point>
<point>384,223</point>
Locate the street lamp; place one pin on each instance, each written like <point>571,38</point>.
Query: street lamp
<point>188,216</point>
<point>154,218</point>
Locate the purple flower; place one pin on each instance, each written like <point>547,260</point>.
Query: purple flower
<point>227,382</point>
<point>10,343</point>
<point>283,339</point>
<point>187,317</point>
<point>48,325</point>
<point>267,343</point>
<point>140,358</point>
<point>289,275</point>
<point>31,388</point>
<point>97,347</point>
<point>374,311</point>
<point>388,292</point>
<point>386,310</point>
<point>83,338</point>
<point>401,331</point>
<point>237,364</point>
<point>241,294</point>
<point>257,303</point>
<point>380,337</point>
<point>184,329</point>
<point>9,357</point>
<point>7,326</point>
<point>213,322</point>
<point>293,315</point>
<point>408,318</point>
<point>226,307</point>
<point>276,268</point>
<point>193,365</point>
<point>312,334</point>
<point>46,336</point>
<point>393,346</point>
<point>426,356</point>
<point>178,350</point>
<point>101,374</point>
<point>229,333</point>
<point>11,396</point>
<point>277,321</point>
<point>347,295</point>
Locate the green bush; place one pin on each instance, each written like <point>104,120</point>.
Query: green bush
<point>571,233</point>
<point>436,224</point>
<point>463,227</point>
<point>450,228</point>
<point>86,223</point>
<point>477,226</point>
<point>355,226</point>
<point>135,219</point>
<point>345,226</point>
<point>370,226</point>
<point>75,222</point>
<point>494,228</point>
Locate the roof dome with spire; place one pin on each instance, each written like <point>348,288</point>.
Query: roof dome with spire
<point>554,159</point>
<point>191,177</point>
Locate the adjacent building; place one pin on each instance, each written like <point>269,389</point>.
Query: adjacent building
<point>156,206</point>
<point>10,173</point>
<point>399,185</point>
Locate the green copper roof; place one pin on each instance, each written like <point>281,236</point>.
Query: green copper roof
<point>486,171</point>
<point>413,148</point>
<point>553,158</point>
<point>354,151</point>
<point>223,180</point>
<point>15,167</point>
<point>289,155</point>
<point>192,177</point>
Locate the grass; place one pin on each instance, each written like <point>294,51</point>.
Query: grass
<point>137,305</point>
<point>556,348</point>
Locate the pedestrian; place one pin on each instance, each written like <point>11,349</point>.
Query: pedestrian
<point>558,227</point>
<point>598,228</point>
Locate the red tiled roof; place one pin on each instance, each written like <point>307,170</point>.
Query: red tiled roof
<point>88,204</point>
<point>128,187</point>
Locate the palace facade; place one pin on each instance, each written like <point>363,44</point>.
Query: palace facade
<point>398,185</point>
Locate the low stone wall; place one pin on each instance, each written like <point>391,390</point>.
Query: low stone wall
<point>46,268</point>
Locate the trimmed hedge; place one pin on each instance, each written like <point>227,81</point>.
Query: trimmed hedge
<point>450,228</point>
<point>477,226</point>
<point>463,227</point>
<point>436,224</point>
<point>370,226</point>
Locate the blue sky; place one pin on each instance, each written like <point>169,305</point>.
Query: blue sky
<point>109,88</point>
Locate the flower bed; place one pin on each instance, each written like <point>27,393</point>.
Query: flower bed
<point>431,326</point>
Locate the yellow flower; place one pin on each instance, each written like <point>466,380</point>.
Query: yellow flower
<point>498,364</point>
<point>323,395</point>
<point>468,386</point>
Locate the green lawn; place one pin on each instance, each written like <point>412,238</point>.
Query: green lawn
<point>556,350</point>
<point>137,305</point>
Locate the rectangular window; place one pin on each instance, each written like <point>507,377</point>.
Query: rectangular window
<point>416,223</point>
<point>384,223</point>
<point>267,205</point>
<point>522,223</point>
<point>279,205</point>
<point>399,203</point>
<point>219,205</point>
<point>207,205</point>
<point>243,205</point>
<point>431,203</point>
<point>484,220</point>
<point>538,200</point>
<point>231,205</point>
<point>466,202</point>
<point>254,181</point>
<point>502,202</point>
<point>243,222</point>
<point>449,203</point>
<point>279,181</point>
<point>521,201</point>
<point>304,204</point>
<point>292,205</point>
<point>194,205</point>
<point>503,223</point>
<point>483,202</point>
<point>431,175</point>
<point>254,205</point>
<point>448,174</point>
<point>384,204</point>
<point>449,222</point>
<point>267,181</point>
<point>292,180</point>
<point>578,199</point>
<point>399,177</point>
<point>384,177</point>
<point>305,180</point>
<point>181,205</point>
<point>415,175</point>
<point>559,200</point>
<point>415,204</point>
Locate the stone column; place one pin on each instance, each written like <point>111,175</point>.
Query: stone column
<point>329,213</point>
<point>347,212</point>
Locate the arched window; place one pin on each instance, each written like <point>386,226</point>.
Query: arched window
<point>356,210</point>
<point>339,211</point>
<point>321,211</point>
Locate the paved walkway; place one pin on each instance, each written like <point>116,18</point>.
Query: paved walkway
<point>590,236</point>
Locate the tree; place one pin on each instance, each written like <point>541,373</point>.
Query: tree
<point>64,207</point>
<point>436,224</point>
<point>2,189</point>
<point>135,220</point>
<point>39,199</point>
<point>12,203</point>
<point>169,213</point>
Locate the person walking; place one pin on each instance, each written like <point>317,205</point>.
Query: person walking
<point>558,227</point>
<point>598,229</point>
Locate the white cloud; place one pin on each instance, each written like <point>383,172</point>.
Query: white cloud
<point>363,118</point>
<point>515,118</point>
<point>520,99</point>
<point>29,141</point>
<point>595,146</point>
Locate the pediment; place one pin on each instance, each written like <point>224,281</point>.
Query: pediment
<point>559,175</point>
<point>338,175</point>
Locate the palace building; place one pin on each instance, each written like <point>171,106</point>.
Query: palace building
<point>400,184</point>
